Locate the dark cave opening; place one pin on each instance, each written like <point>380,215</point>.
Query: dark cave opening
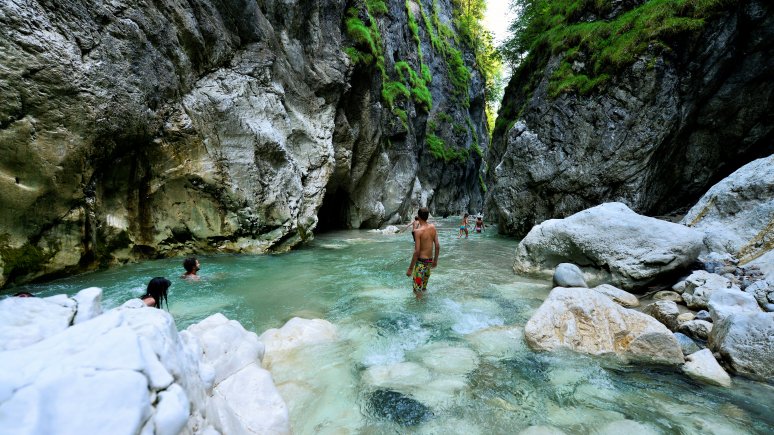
<point>333,214</point>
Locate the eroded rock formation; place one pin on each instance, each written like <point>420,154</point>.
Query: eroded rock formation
<point>134,129</point>
<point>656,137</point>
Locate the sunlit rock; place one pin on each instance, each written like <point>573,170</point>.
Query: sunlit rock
<point>666,295</point>
<point>297,332</point>
<point>586,321</point>
<point>89,304</point>
<point>736,213</point>
<point>665,312</point>
<point>621,297</point>
<point>610,239</point>
<point>700,285</point>
<point>24,321</point>
<point>746,340</point>
<point>696,329</point>
<point>702,366</point>
<point>226,345</point>
<point>568,275</point>
<point>725,302</point>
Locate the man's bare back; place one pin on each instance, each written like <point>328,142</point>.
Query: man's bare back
<point>425,257</point>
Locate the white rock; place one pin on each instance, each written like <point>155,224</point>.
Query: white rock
<point>586,321</point>
<point>172,411</point>
<point>295,333</point>
<point>568,275</point>
<point>610,237</point>
<point>497,341</point>
<point>700,285</point>
<point>665,312</point>
<point>702,366</point>
<point>448,359</point>
<point>619,296</point>
<point>24,321</point>
<point>89,304</point>
<point>722,303</point>
<point>226,345</point>
<point>737,211</point>
<point>253,401</point>
<point>746,340</point>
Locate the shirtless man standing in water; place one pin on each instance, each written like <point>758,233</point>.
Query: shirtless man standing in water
<point>421,263</point>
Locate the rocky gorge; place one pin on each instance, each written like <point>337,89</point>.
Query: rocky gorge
<point>132,130</point>
<point>135,131</point>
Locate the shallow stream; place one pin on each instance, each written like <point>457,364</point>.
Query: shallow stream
<point>455,363</point>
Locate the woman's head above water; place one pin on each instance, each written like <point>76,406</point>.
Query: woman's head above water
<point>156,294</point>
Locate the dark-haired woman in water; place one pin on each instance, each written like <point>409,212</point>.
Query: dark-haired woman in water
<point>156,294</point>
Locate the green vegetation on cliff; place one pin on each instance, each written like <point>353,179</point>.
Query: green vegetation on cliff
<point>593,41</point>
<point>594,48</point>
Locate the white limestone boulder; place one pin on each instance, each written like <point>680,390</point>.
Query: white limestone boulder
<point>226,345</point>
<point>618,296</point>
<point>746,342</point>
<point>703,367</point>
<point>610,240</point>
<point>665,312</point>
<point>699,286</point>
<point>725,302</point>
<point>736,213</point>
<point>589,322</point>
<point>294,334</point>
<point>89,302</point>
<point>24,321</point>
<point>568,275</point>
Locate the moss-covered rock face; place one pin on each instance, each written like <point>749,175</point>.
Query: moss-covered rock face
<point>145,130</point>
<point>664,111</point>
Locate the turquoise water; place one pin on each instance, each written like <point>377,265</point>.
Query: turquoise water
<point>453,363</point>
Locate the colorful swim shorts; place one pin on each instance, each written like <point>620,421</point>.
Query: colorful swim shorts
<point>421,274</point>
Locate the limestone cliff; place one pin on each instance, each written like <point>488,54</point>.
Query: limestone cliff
<point>693,106</point>
<point>138,130</point>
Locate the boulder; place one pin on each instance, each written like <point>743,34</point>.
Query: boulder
<point>700,285</point>
<point>586,321</point>
<point>89,302</point>
<point>397,407</point>
<point>703,315</point>
<point>736,213</point>
<point>610,239</point>
<point>761,290</point>
<point>129,371</point>
<point>703,367</point>
<point>687,345</point>
<point>666,295</point>
<point>24,321</point>
<point>619,296</point>
<point>696,329</point>
<point>295,333</point>
<point>746,342</point>
<point>665,312</point>
<point>724,302</point>
<point>568,275</point>
<point>685,317</point>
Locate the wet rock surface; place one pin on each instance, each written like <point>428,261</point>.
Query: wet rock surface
<point>398,408</point>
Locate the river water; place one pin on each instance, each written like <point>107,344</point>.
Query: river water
<point>455,363</point>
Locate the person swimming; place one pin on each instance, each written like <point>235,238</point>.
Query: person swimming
<point>156,293</point>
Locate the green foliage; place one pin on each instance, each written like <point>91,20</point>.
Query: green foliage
<point>368,40</point>
<point>599,48</point>
<point>376,7</point>
<point>441,151</point>
<point>481,183</point>
<point>412,23</point>
<point>392,90</point>
<point>418,87</point>
<point>476,147</point>
<point>400,113</point>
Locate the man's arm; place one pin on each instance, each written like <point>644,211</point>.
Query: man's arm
<point>416,254</point>
<point>437,248</point>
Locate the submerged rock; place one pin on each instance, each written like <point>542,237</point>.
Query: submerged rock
<point>628,249</point>
<point>398,408</point>
<point>586,321</point>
